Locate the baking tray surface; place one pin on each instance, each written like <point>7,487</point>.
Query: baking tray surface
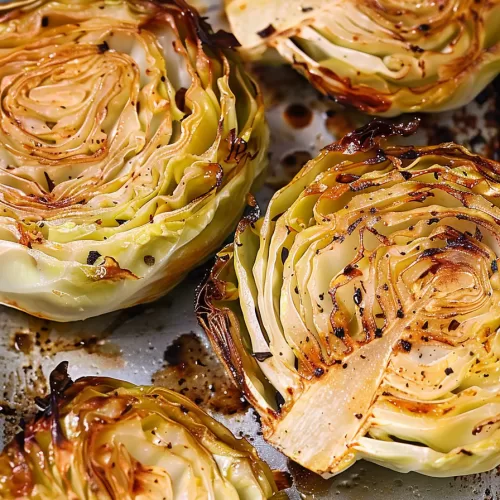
<point>162,342</point>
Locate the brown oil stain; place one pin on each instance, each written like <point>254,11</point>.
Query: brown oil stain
<point>36,342</point>
<point>194,371</point>
<point>289,167</point>
<point>307,482</point>
<point>19,395</point>
<point>339,124</point>
<point>298,116</point>
<point>40,337</point>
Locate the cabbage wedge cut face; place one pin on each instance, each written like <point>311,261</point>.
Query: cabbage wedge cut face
<point>100,438</point>
<point>129,139</point>
<point>384,57</point>
<point>360,316</point>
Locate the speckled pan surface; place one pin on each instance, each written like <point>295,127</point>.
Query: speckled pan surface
<point>154,342</point>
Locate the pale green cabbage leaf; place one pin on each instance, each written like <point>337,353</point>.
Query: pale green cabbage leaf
<point>129,139</point>
<point>361,314</point>
<point>384,57</point>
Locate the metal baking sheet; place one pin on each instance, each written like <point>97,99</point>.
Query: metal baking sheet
<point>162,341</point>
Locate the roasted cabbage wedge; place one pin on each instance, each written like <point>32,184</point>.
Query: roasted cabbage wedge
<point>360,315</point>
<point>101,438</point>
<point>385,57</point>
<point>129,139</point>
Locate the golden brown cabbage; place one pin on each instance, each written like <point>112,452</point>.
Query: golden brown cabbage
<point>129,138</point>
<point>383,56</point>
<point>360,316</point>
<point>100,438</point>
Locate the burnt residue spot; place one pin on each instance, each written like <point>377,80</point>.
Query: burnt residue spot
<point>220,39</point>
<point>149,260</point>
<point>369,136</point>
<point>298,116</point>
<point>194,371</point>
<point>454,324</point>
<point>339,332</point>
<point>262,356</point>
<point>378,333</point>
<point>406,175</point>
<point>357,297</point>
<point>45,21</point>
<point>59,381</point>
<point>294,161</point>
<point>267,32</point>
<point>22,342</point>
<point>7,410</point>
<point>429,252</point>
<point>318,372</point>
<point>416,49</point>
<point>405,345</point>
<point>424,27</point>
<point>290,165</point>
<point>410,154</point>
<point>103,47</point>
<point>339,124</point>
<point>282,479</point>
<point>92,257</point>
<point>448,371</point>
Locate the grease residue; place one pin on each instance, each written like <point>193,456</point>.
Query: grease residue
<point>289,167</point>
<point>339,124</point>
<point>298,115</point>
<point>35,342</point>
<point>194,371</point>
<point>46,338</point>
<point>307,482</point>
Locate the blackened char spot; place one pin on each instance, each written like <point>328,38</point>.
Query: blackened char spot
<point>59,381</point>
<point>354,225</point>
<point>405,345</point>
<point>369,136</point>
<point>429,252</point>
<point>339,332</point>
<point>103,47</point>
<point>92,257</point>
<point>220,40</point>
<point>411,154</point>
<point>266,32</point>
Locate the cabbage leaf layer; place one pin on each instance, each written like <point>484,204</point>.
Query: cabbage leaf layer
<point>361,314</point>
